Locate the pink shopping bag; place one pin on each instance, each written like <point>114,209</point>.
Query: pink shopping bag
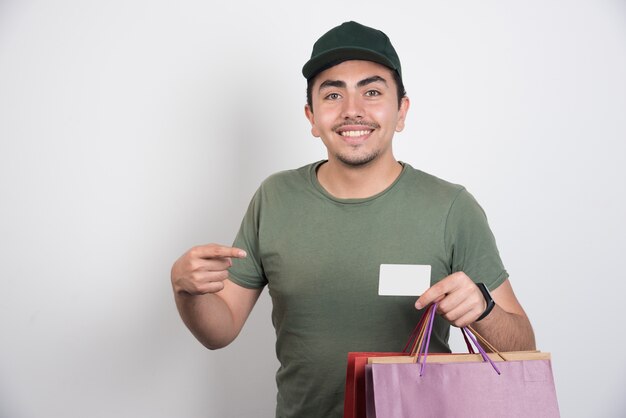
<point>452,386</point>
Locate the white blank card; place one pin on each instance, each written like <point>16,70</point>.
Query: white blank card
<point>403,279</point>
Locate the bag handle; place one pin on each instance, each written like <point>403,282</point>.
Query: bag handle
<point>417,335</point>
<point>486,343</point>
<point>427,325</point>
<point>467,342</point>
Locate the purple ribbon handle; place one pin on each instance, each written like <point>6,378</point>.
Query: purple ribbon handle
<point>426,343</point>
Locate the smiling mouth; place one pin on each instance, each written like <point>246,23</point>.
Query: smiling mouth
<point>354,134</point>
<point>355,129</point>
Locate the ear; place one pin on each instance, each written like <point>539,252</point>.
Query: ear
<point>308,112</point>
<point>404,108</point>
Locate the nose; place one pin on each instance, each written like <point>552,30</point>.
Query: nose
<point>352,107</point>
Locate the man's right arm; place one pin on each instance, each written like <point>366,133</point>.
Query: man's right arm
<point>213,307</point>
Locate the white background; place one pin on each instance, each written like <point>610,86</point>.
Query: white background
<point>132,130</point>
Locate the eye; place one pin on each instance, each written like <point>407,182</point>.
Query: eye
<point>333,96</point>
<point>372,93</point>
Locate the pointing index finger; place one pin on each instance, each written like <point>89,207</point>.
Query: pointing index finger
<point>219,251</point>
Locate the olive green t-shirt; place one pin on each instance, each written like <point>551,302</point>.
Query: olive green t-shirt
<point>320,258</point>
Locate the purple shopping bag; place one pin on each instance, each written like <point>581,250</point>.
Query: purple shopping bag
<point>435,387</point>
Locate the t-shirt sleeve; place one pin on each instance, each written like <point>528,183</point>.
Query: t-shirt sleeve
<point>248,272</point>
<point>470,243</point>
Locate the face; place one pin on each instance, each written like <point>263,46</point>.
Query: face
<point>355,112</point>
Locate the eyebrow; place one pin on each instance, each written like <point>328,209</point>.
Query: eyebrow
<point>332,83</point>
<point>362,83</point>
<point>371,80</point>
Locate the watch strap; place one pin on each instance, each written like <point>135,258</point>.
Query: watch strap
<point>488,299</point>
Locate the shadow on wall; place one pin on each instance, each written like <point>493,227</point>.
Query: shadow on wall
<point>242,375</point>
<point>245,370</point>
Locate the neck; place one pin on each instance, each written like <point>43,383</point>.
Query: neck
<point>349,182</point>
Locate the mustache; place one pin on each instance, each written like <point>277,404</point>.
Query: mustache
<point>353,122</point>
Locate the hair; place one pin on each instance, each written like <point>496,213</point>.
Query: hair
<point>396,78</point>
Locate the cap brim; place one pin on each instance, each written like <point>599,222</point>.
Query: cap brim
<point>336,56</point>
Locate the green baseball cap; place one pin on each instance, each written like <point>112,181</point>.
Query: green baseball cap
<point>351,41</point>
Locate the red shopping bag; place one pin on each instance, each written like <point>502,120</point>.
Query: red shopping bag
<point>354,399</point>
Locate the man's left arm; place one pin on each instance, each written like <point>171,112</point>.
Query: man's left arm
<point>461,302</point>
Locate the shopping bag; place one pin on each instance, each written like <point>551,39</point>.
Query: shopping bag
<point>501,385</point>
<point>354,397</point>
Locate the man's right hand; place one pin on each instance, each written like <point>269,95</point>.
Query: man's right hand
<point>203,269</point>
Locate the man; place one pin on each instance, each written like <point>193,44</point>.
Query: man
<point>316,237</point>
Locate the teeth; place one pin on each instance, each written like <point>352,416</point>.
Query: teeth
<point>355,133</point>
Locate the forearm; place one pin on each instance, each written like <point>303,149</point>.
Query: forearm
<point>213,308</point>
<point>208,318</point>
<point>506,331</point>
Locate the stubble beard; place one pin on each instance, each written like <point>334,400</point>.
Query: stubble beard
<point>356,161</point>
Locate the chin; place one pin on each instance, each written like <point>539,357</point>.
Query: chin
<point>357,161</point>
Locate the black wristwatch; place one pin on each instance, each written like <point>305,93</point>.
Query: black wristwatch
<point>488,299</point>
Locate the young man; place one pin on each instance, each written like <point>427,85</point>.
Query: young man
<point>316,237</point>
